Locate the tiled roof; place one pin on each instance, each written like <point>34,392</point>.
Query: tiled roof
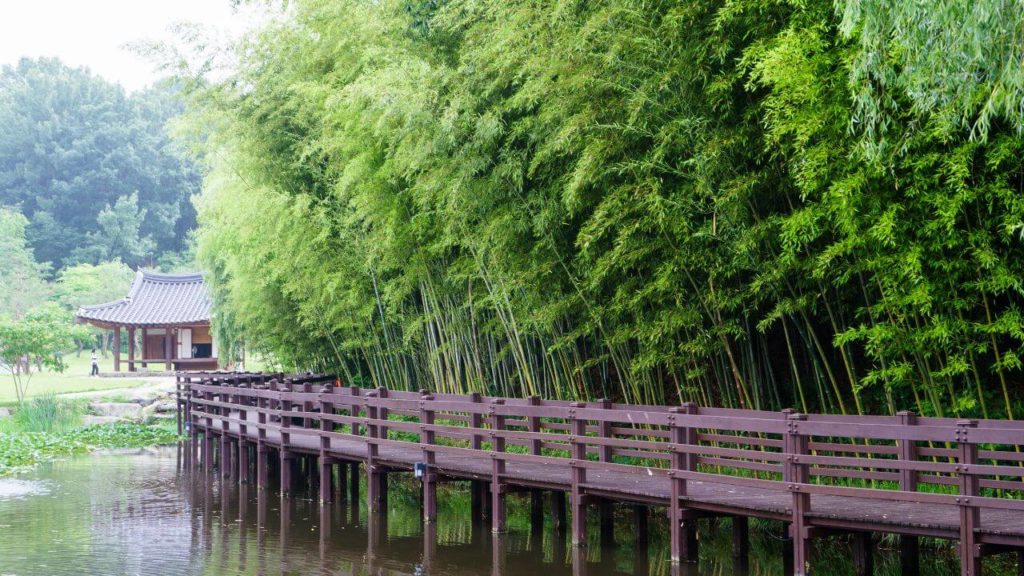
<point>155,300</point>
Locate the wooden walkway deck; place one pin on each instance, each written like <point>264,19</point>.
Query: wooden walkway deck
<point>954,479</point>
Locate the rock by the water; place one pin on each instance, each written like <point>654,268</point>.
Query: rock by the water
<point>89,420</point>
<point>5,412</point>
<point>125,410</point>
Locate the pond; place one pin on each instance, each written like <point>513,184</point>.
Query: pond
<point>139,514</point>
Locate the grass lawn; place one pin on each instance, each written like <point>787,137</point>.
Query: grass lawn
<point>74,379</point>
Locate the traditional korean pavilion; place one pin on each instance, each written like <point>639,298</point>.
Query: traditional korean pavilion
<point>171,315</point>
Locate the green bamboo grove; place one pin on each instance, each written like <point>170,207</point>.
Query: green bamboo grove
<point>737,203</point>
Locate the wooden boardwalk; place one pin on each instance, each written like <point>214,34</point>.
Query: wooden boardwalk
<point>917,477</point>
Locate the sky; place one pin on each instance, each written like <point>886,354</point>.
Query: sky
<point>94,33</point>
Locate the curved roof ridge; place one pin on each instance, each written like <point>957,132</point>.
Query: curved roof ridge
<point>155,299</point>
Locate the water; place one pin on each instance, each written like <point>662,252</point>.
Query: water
<point>137,514</point>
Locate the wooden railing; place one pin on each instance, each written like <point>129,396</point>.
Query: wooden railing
<point>971,465</point>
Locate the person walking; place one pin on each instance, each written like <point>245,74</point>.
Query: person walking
<point>95,364</point>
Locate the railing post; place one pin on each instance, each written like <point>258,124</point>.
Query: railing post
<point>683,522</point>
<point>606,507</point>
<point>243,435</point>
<point>429,474</point>
<point>376,485</point>
<point>478,494</point>
<point>970,514</point>
<point>796,445</point>
<point>353,476</point>
<point>910,550</point>
<point>578,455</point>
<point>262,470</point>
<point>326,462</point>
<point>285,408</point>
<point>497,467</point>
<point>536,496</point>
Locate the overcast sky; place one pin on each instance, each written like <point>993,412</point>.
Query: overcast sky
<point>93,33</point>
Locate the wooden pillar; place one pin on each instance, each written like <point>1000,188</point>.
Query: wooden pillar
<point>168,341</point>
<point>796,446</point>
<point>376,485</point>
<point>497,467</point>
<point>286,456</point>
<point>536,512</point>
<point>910,549</point>
<point>353,485</point>
<point>429,475</point>
<point>243,462</point>
<point>578,454</point>
<point>606,508</point>
<point>558,512</point>
<point>640,517</point>
<point>863,554</point>
<point>683,523</point>
<point>117,348</point>
<point>970,515</point>
<point>142,354</point>
<point>131,349</point>
<point>740,537</point>
<point>326,462</point>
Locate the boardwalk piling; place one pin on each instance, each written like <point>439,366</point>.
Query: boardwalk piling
<point>683,523</point>
<point>740,537</point>
<point>578,454</point>
<point>863,554</point>
<point>326,462</point>
<point>429,475</point>
<point>910,553</point>
<point>795,447</point>
<point>497,467</point>
<point>970,515</point>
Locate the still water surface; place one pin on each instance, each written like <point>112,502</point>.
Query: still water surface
<point>138,514</point>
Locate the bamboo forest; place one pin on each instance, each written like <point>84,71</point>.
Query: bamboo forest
<point>737,203</point>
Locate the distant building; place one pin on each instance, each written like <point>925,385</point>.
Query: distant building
<point>172,313</point>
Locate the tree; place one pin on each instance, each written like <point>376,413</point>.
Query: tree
<point>118,237</point>
<point>41,336</point>
<point>22,279</point>
<point>85,284</point>
<point>74,148</point>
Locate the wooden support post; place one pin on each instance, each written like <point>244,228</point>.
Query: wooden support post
<point>640,517</point>
<point>558,512</point>
<point>326,462</point>
<point>683,522</point>
<point>795,447</point>
<point>910,550</point>
<point>497,467</point>
<point>606,508</point>
<point>262,465</point>
<point>353,484</point>
<point>243,462</point>
<point>342,480</point>
<point>740,537</point>
<point>284,453</point>
<point>536,512</point>
<point>117,349</point>
<point>131,349</point>
<point>376,485</point>
<point>970,514</point>
<point>168,340</point>
<point>578,455</point>
<point>429,474</point>
<point>143,355</point>
<point>863,554</point>
<point>477,494</point>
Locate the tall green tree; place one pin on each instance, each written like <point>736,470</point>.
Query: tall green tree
<point>652,201</point>
<point>72,144</point>
<point>22,280</point>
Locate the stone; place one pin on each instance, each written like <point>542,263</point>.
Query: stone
<point>5,412</point>
<point>89,420</point>
<point>125,410</point>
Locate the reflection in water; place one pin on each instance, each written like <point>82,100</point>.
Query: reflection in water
<point>145,514</point>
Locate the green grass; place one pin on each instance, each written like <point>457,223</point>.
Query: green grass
<point>74,379</point>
